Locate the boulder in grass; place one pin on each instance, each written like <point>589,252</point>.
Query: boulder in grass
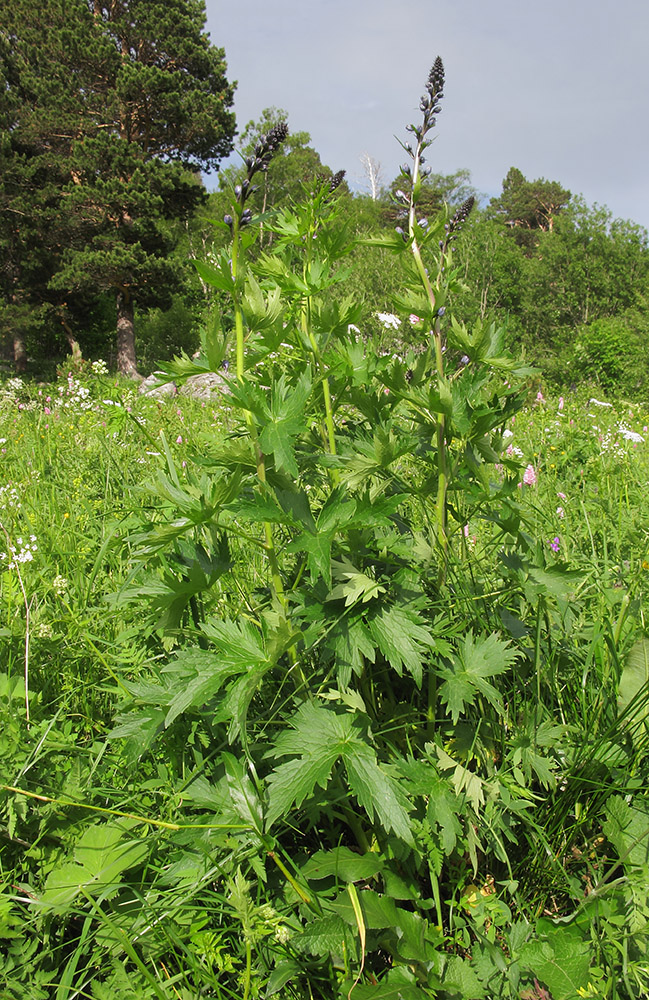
<point>208,386</point>
<point>152,386</point>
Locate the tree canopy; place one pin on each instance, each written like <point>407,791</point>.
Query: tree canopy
<point>109,112</point>
<point>529,205</point>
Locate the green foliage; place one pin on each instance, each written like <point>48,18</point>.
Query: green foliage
<point>110,114</point>
<point>528,205</point>
<point>317,690</point>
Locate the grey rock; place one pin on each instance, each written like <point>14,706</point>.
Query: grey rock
<point>211,385</point>
<point>152,386</point>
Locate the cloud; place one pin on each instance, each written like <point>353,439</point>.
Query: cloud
<point>559,89</point>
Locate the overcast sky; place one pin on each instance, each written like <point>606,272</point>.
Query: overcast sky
<point>557,88</point>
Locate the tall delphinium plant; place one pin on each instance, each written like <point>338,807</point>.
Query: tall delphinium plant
<point>344,753</point>
<point>418,235</point>
<point>457,391</point>
<point>336,459</point>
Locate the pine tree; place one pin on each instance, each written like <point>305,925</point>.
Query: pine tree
<point>529,205</point>
<point>122,104</point>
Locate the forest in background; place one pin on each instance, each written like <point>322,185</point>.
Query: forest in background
<point>103,210</point>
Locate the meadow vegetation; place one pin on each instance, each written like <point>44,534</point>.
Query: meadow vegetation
<point>336,685</point>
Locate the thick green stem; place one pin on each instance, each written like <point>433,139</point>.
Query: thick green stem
<point>329,434</point>
<point>247,978</point>
<point>276,578</point>
<point>442,482</point>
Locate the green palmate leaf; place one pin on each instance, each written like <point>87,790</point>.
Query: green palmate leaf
<point>402,637</point>
<point>379,795</point>
<point>526,747</point>
<point>102,853</point>
<point>558,581</point>
<point>628,830</point>
<point>139,730</point>
<point>284,421</point>
<point>261,312</point>
<point>560,960</point>
<point>242,792</point>
<point>317,541</point>
<point>220,277</point>
<point>460,977</point>
<point>318,552</point>
<point>324,937</point>
<point>463,779</point>
<point>238,649</point>
<point>259,508</point>
<point>343,864</point>
<point>234,707</point>
<point>356,586</point>
<point>351,644</point>
<point>378,909</point>
<point>442,810</point>
<point>467,677</point>
<point>319,737</point>
<point>295,503</point>
<point>291,783</point>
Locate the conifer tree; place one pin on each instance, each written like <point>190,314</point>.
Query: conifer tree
<point>123,103</point>
<point>529,205</point>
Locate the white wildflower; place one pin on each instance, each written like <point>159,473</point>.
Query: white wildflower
<point>389,321</point>
<point>629,435</point>
<point>9,498</point>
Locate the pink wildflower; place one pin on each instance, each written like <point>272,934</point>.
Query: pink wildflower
<point>554,544</point>
<point>529,476</point>
<point>540,397</point>
<point>179,439</point>
<point>560,402</point>
<point>561,512</point>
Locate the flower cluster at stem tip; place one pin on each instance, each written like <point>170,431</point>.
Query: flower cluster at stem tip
<point>430,106</point>
<point>264,151</point>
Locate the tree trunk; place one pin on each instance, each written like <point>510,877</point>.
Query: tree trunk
<point>126,361</point>
<point>20,353</point>
<point>73,343</point>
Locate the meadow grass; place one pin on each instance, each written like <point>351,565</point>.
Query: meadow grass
<point>78,460</point>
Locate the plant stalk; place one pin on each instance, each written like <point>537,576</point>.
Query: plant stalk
<point>442,482</point>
